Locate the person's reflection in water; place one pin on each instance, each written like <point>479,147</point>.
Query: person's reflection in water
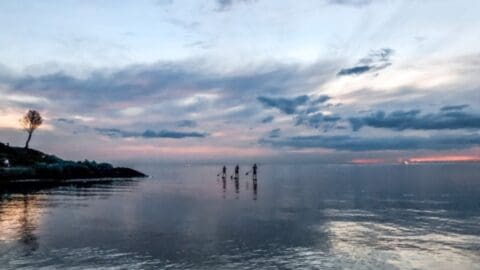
<point>237,187</point>
<point>27,227</point>
<point>237,172</point>
<point>224,187</point>
<point>255,190</point>
<point>254,172</point>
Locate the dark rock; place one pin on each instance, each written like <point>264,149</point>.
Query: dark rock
<point>127,172</point>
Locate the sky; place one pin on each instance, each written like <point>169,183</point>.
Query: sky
<point>332,81</point>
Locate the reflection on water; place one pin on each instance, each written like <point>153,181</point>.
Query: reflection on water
<point>249,185</point>
<point>27,224</point>
<point>22,208</point>
<point>292,217</point>
<point>19,217</point>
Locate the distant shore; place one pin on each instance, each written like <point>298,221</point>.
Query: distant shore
<point>18,163</point>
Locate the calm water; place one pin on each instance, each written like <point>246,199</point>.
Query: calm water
<point>310,217</point>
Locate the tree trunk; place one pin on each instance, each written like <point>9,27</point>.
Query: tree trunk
<point>28,139</point>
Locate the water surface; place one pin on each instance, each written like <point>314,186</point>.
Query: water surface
<point>297,216</point>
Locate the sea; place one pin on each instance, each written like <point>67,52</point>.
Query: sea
<point>294,216</point>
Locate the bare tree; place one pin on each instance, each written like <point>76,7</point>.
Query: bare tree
<point>31,121</point>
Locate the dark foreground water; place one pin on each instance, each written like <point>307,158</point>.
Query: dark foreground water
<point>297,217</point>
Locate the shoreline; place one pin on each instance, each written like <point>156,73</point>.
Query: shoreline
<point>30,164</point>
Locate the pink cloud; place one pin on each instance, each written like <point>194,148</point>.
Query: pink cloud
<point>367,161</point>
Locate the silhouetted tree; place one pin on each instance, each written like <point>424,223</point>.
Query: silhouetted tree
<point>31,121</point>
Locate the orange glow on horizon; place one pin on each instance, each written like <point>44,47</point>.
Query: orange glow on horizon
<point>367,161</point>
<point>423,159</point>
<point>10,120</point>
<point>446,158</point>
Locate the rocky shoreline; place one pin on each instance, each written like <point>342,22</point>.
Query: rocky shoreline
<point>20,164</point>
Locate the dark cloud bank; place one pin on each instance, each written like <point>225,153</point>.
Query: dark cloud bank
<point>449,117</point>
<point>305,110</point>
<point>348,143</point>
<point>149,134</point>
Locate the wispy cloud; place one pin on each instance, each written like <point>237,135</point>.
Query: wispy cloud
<point>285,105</point>
<point>356,3</point>
<point>356,70</point>
<point>66,121</point>
<point>223,5</point>
<point>267,119</point>
<point>187,123</point>
<point>186,25</point>
<point>318,120</point>
<point>274,133</point>
<point>320,99</point>
<point>454,107</point>
<point>375,61</point>
<point>305,109</point>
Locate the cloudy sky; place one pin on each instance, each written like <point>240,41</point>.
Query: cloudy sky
<point>325,80</point>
